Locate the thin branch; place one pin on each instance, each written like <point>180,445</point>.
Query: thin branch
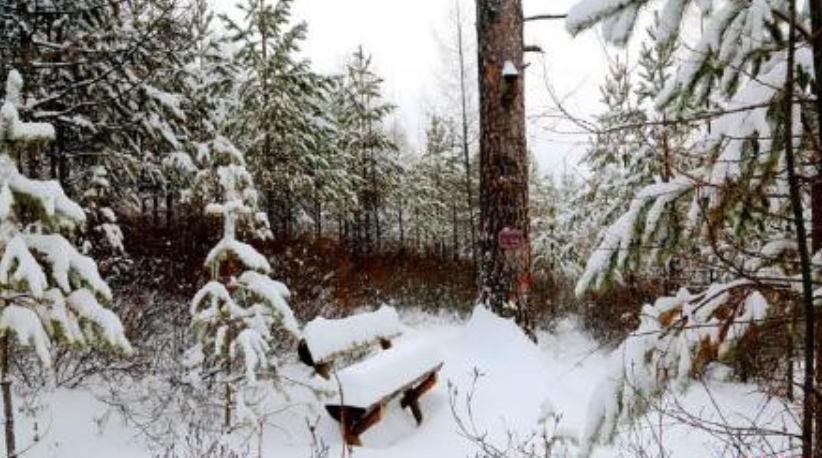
<point>545,17</point>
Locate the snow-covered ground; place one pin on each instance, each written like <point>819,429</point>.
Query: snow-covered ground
<point>515,379</point>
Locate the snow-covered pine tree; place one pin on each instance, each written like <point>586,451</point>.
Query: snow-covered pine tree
<point>436,192</point>
<point>742,153</point>
<point>280,121</point>
<point>459,99</point>
<point>375,157</point>
<point>635,147</point>
<point>334,186</point>
<point>208,97</point>
<point>733,205</point>
<point>617,152</point>
<point>561,239</point>
<point>341,193</point>
<point>159,132</point>
<point>212,76</point>
<point>238,314</point>
<point>106,77</point>
<point>51,294</point>
<point>733,45</point>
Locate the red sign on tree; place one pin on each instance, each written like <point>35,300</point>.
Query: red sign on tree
<point>510,239</point>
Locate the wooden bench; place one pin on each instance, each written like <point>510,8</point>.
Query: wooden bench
<point>406,370</point>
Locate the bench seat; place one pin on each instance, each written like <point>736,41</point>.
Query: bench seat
<point>378,377</point>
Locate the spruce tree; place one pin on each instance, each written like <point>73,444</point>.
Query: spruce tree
<point>236,316</point>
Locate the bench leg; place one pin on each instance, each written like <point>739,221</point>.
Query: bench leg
<point>414,405</point>
<point>411,397</point>
<point>353,429</point>
<point>323,370</point>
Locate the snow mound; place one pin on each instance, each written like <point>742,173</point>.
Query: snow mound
<point>512,379</point>
<point>493,338</point>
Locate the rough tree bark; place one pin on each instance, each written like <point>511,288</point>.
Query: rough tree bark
<point>505,274</point>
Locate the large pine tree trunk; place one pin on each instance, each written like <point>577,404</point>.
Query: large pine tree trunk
<point>503,159</point>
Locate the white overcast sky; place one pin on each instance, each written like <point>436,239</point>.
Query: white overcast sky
<point>401,36</point>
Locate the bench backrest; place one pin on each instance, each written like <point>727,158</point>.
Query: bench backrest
<point>325,340</point>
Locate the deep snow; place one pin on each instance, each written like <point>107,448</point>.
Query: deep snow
<point>517,377</point>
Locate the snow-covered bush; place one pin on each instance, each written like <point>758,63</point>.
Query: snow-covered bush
<point>675,341</point>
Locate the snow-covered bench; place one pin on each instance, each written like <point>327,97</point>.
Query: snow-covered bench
<point>366,387</point>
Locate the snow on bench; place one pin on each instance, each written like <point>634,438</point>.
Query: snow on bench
<point>324,340</point>
<point>380,376</point>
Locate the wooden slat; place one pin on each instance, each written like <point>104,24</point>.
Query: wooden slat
<point>433,371</point>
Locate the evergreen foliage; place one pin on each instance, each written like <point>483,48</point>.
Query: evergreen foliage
<point>52,293</point>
